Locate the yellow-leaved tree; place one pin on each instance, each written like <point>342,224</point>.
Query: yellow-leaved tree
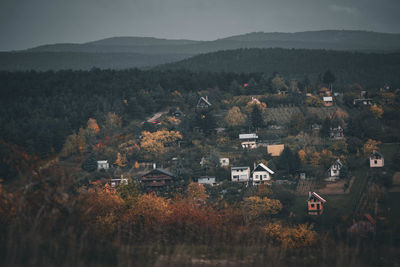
<point>234,117</point>
<point>256,207</point>
<point>291,237</point>
<point>121,160</point>
<point>157,143</point>
<point>196,193</point>
<point>370,146</point>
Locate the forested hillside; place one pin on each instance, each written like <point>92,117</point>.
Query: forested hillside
<point>369,69</point>
<point>44,61</point>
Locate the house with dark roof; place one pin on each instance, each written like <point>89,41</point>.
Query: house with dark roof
<point>261,174</point>
<point>158,178</point>
<point>203,103</point>
<point>315,204</point>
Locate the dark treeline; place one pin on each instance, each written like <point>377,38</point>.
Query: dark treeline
<point>368,69</point>
<point>39,109</point>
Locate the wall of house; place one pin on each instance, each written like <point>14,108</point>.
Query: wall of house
<point>376,163</point>
<point>249,144</point>
<point>261,176</point>
<point>241,175</point>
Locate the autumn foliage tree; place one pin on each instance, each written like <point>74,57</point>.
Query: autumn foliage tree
<point>196,193</point>
<point>256,207</point>
<point>234,117</point>
<point>158,142</point>
<point>299,236</point>
<point>370,146</point>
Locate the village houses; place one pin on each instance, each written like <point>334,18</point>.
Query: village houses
<point>261,174</point>
<point>240,174</point>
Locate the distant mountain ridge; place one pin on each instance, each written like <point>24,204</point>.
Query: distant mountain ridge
<point>328,39</point>
<point>143,52</point>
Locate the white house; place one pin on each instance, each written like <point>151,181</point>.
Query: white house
<point>328,101</point>
<point>248,140</point>
<point>261,174</point>
<point>334,170</point>
<point>376,160</point>
<point>118,181</point>
<point>224,162</point>
<point>103,165</point>
<point>207,180</point>
<point>240,174</point>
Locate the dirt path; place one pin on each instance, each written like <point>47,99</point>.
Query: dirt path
<point>156,116</point>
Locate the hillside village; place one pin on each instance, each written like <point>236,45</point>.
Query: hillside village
<point>317,140</point>
<point>240,157</point>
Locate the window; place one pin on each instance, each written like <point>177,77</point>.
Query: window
<point>375,161</point>
<point>256,176</point>
<point>265,176</point>
<point>312,205</point>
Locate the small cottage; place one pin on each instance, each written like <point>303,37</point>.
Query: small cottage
<point>248,140</point>
<point>103,165</point>
<point>224,162</point>
<point>376,160</point>
<point>315,204</point>
<point>336,130</point>
<point>240,174</point>
<point>118,181</point>
<point>328,101</point>
<point>203,103</point>
<point>207,180</point>
<point>261,174</point>
<point>334,170</point>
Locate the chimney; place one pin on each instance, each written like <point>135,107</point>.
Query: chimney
<point>154,166</point>
<point>207,98</point>
<point>309,194</point>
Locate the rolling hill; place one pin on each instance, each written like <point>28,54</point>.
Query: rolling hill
<point>130,52</point>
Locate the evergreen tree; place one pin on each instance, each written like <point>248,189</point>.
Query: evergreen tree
<point>288,161</point>
<point>256,118</point>
<point>326,127</point>
<point>90,164</point>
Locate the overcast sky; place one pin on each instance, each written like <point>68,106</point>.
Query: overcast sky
<point>28,23</point>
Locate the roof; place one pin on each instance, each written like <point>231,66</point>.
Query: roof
<point>369,218</point>
<point>240,168</point>
<point>205,100</point>
<point>275,150</point>
<point>262,167</point>
<point>102,161</point>
<point>317,196</point>
<point>376,153</point>
<point>337,162</point>
<point>162,171</point>
<point>248,136</point>
<point>328,99</point>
